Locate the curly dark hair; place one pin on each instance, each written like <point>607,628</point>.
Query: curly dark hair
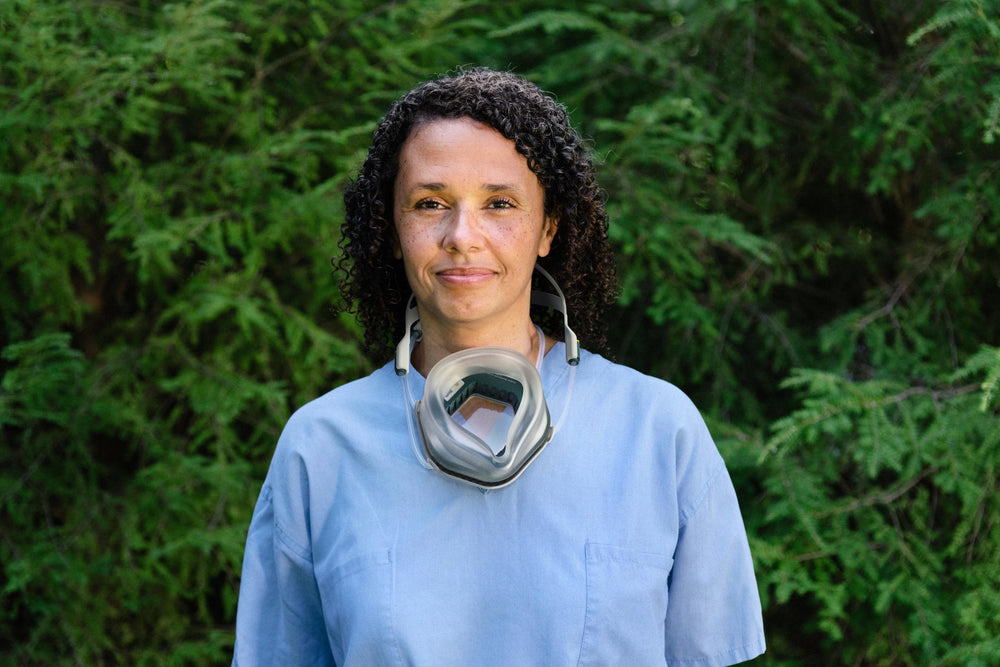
<point>580,259</point>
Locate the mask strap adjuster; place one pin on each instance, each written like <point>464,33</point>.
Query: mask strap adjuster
<point>411,330</point>
<point>558,302</point>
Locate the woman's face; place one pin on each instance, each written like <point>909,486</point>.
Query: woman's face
<point>470,224</point>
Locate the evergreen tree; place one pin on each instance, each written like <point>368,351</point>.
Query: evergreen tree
<point>803,198</point>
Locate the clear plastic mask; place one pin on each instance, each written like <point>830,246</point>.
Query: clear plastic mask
<point>483,417</point>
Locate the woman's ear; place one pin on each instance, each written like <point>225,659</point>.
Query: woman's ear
<point>397,250</point>
<point>548,233</point>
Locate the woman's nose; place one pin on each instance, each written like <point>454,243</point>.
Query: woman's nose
<point>463,232</point>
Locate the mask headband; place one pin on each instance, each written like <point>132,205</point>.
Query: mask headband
<point>558,302</point>
<point>411,329</point>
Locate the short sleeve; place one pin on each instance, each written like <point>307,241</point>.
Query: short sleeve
<point>279,618</point>
<point>714,614</point>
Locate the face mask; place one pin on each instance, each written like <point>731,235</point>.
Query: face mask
<point>483,417</point>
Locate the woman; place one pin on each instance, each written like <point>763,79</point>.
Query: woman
<point>387,534</point>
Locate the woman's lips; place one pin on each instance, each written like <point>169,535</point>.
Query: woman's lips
<point>465,275</point>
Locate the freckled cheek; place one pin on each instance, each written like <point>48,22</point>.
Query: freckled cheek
<point>511,233</point>
<point>418,247</point>
<point>522,237</point>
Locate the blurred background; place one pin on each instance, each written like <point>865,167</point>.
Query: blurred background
<point>805,202</point>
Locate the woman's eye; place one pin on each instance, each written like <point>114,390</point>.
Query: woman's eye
<point>428,204</point>
<point>501,203</point>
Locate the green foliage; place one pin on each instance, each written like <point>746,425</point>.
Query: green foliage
<point>803,198</point>
<point>882,515</point>
<point>969,28</point>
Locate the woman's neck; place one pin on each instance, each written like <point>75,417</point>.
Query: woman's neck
<point>435,345</point>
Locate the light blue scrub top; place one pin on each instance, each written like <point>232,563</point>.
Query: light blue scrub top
<point>621,544</point>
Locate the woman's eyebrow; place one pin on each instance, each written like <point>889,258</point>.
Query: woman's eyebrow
<point>433,187</point>
<point>488,187</point>
<point>501,187</point>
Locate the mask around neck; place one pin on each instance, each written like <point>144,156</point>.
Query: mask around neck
<point>483,417</point>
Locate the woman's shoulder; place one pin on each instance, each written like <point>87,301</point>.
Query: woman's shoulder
<point>370,389</point>
<point>618,380</point>
<point>346,408</point>
<point>654,417</point>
